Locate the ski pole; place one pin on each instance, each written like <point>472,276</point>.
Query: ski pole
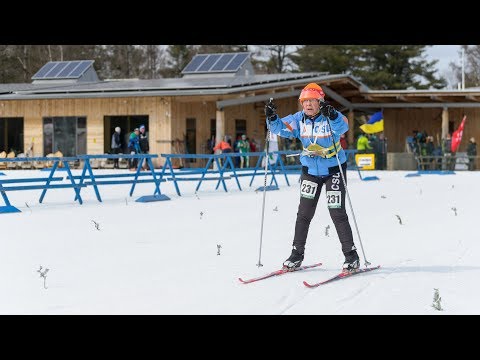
<point>346,191</point>
<point>264,190</point>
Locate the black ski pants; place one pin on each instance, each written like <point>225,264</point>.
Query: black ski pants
<point>310,189</point>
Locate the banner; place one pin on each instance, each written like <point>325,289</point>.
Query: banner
<point>457,135</point>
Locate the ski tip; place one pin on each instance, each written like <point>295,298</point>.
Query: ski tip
<point>307,284</point>
<point>241,280</point>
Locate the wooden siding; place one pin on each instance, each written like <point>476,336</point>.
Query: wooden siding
<point>400,123</point>
<point>33,112</point>
<point>167,120</point>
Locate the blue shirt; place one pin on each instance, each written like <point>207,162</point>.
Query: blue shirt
<point>316,131</point>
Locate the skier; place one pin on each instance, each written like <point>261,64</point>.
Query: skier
<point>319,167</point>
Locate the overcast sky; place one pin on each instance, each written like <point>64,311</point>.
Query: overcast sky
<point>445,54</point>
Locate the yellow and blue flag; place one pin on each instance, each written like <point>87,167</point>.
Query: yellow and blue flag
<point>374,125</point>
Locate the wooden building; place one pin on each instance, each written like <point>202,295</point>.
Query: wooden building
<point>67,108</point>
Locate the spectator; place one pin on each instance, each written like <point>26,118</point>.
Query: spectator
<point>343,141</point>
<point>116,145</point>
<point>144,146</point>
<point>472,154</point>
<point>449,156</point>
<point>236,159</point>
<point>253,144</point>
<point>223,146</point>
<point>429,148</point>
<point>363,144</point>
<point>134,148</point>
<point>244,147</point>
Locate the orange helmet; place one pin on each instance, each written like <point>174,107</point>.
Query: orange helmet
<point>311,91</point>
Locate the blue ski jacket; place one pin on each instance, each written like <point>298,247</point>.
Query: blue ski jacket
<point>314,134</point>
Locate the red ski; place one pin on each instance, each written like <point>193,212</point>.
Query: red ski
<point>278,272</point>
<point>342,275</point>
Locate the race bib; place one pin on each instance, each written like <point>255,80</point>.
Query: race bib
<point>308,189</point>
<point>334,199</point>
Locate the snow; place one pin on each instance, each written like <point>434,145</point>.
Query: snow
<point>161,257</point>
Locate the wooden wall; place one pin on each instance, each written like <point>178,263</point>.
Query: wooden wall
<point>400,123</point>
<point>33,112</point>
<point>167,119</point>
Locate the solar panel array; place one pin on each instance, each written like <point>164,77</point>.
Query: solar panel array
<point>213,63</point>
<point>63,69</point>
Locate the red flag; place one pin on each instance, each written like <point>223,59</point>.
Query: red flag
<point>457,135</point>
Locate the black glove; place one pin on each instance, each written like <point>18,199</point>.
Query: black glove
<point>328,110</point>
<point>271,110</point>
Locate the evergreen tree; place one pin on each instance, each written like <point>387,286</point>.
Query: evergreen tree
<point>395,67</point>
<point>333,59</point>
<point>377,66</point>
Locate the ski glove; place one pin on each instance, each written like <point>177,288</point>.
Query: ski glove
<point>271,110</point>
<point>328,110</point>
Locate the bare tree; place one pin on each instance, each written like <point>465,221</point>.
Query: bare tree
<point>276,58</point>
<point>472,66</point>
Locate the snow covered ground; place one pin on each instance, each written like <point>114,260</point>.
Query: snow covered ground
<point>162,257</point>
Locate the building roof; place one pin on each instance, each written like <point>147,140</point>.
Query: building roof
<point>342,89</point>
<point>165,87</point>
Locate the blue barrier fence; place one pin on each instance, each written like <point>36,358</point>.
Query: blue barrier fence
<point>218,167</point>
<point>44,183</point>
<point>88,177</point>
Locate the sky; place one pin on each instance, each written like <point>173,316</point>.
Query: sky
<point>184,256</point>
<point>444,54</point>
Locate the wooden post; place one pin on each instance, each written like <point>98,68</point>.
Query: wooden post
<point>351,124</point>
<point>220,126</point>
<point>444,122</point>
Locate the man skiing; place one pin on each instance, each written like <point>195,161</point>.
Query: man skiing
<point>315,126</point>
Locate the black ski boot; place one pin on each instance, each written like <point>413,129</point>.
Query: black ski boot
<point>352,262</point>
<point>294,261</point>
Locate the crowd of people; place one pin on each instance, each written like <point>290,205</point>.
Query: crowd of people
<point>242,145</point>
<point>439,156</point>
<point>137,144</point>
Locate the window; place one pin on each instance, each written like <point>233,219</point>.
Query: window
<point>191,137</point>
<point>240,128</point>
<point>67,134</point>
<point>11,135</point>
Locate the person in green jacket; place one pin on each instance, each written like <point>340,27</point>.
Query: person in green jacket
<point>363,144</point>
<point>244,147</point>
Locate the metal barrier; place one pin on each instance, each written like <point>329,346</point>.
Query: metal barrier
<point>46,182</point>
<point>119,179</point>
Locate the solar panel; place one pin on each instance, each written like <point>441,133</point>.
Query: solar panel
<point>209,62</point>
<point>68,69</point>
<point>222,62</point>
<point>62,69</point>
<point>44,70</point>
<point>195,63</point>
<point>214,63</point>
<point>80,69</point>
<point>237,61</point>
<point>54,70</point>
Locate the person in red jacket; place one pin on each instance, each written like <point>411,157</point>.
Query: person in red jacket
<point>343,141</point>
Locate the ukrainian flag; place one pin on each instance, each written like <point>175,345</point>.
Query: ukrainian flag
<point>374,125</point>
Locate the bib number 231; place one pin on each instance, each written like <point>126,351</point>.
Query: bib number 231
<point>334,199</point>
<point>308,189</point>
